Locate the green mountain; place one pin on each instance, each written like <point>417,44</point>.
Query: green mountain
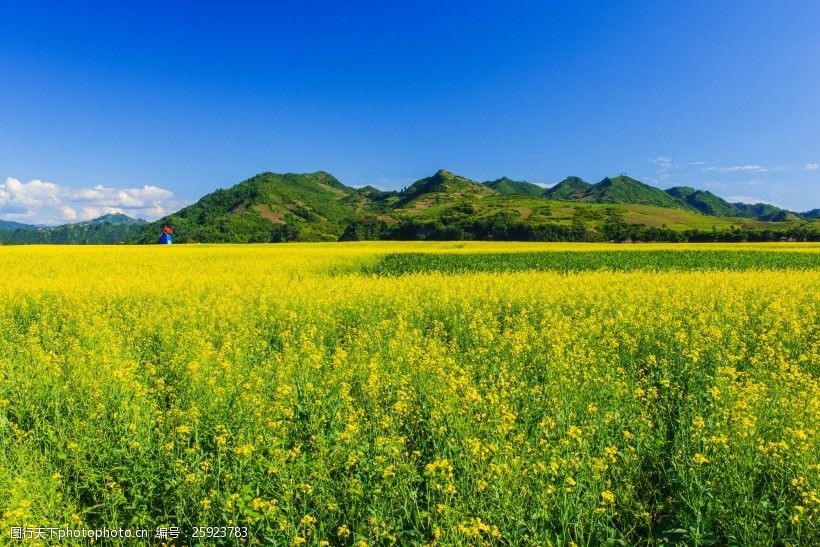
<point>623,189</point>
<point>267,207</point>
<point>447,207</point>
<point>620,189</point>
<point>506,187</point>
<point>110,228</point>
<point>704,201</point>
<point>569,189</point>
<point>442,185</point>
<point>710,204</point>
<point>317,207</point>
<point>10,226</point>
<point>272,207</point>
<point>116,219</point>
<point>374,193</point>
<point>762,211</point>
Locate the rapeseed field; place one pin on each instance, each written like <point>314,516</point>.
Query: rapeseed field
<point>335,394</point>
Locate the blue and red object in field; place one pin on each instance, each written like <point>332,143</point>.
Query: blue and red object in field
<point>167,235</point>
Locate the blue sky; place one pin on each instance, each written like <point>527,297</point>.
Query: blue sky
<point>144,108</point>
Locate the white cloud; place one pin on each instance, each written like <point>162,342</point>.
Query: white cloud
<point>735,168</point>
<point>811,166</point>
<point>68,213</point>
<point>664,162</point>
<point>668,162</point>
<point>38,202</point>
<point>668,167</point>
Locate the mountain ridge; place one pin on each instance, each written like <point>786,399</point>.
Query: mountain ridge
<point>508,186</point>
<point>317,207</point>
<point>569,189</point>
<point>108,228</point>
<point>624,189</point>
<point>10,226</point>
<point>272,207</point>
<point>266,207</point>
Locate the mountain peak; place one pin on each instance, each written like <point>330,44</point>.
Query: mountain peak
<point>315,206</point>
<point>624,189</point>
<point>681,190</point>
<point>507,186</point>
<point>571,188</point>
<point>444,173</point>
<point>443,182</point>
<point>622,179</point>
<point>266,207</point>
<point>115,218</point>
<point>704,201</point>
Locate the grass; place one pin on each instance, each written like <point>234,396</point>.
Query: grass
<point>577,261</point>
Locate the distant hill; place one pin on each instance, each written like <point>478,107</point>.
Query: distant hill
<point>10,226</point>
<point>375,193</point>
<point>710,204</point>
<point>623,189</point>
<point>116,219</point>
<point>704,201</point>
<point>626,190</point>
<point>110,228</point>
<point>506,186</point>
<point>762,211</point>
<point>442,185</point>
<point>569,189</point>
<point>620,189</point>
<point>446,206</point>
<point>267,207</point>
<point>273,207</point>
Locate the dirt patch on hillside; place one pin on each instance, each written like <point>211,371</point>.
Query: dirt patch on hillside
<point>269,214</point>
<point>423,204</point>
